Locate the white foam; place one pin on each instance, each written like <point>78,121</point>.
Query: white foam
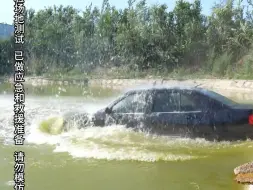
<point>248,187</point>
<point>98,152</point>
<point>101,143</point>
<point>37,137</point>
<point>110,143</point>
<point>10,183</point>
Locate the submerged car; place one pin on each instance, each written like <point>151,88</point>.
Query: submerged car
<point>180,111</point>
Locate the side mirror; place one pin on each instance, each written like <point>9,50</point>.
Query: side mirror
<point>108,110</point>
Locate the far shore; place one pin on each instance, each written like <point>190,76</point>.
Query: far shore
<point>222,84</point>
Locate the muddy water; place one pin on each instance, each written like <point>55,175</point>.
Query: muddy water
<point>112,157</point>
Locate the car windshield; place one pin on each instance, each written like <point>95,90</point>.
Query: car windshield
<point>220,98</point>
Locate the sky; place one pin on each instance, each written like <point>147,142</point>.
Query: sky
<point>7,8</point>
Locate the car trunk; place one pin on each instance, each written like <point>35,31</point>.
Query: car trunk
<point>243,113</point>
<point>242,121</point>
<point>243,107</point>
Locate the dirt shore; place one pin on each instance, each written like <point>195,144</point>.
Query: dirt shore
<point>236,85</point>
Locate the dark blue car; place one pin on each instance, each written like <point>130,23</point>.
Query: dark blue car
<point>180,111</point>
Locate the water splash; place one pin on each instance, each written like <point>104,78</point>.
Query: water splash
<point>111,143</point>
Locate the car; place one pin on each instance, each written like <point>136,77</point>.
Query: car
<point>181,112</point>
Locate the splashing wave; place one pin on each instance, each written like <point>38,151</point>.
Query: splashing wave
<point>111,143</point>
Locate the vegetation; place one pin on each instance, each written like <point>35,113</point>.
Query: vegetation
<point>6,56</point>
<point>138,41</point>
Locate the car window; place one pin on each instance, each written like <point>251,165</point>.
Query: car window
<point>191,101</point>
<point>166,101</point>
<point>220,98</point>
<point>133,103</point>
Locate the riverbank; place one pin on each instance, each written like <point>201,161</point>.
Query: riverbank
<point>242,85</point>
<point>223,84</point>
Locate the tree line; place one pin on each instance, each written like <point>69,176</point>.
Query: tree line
<point>62,39</point>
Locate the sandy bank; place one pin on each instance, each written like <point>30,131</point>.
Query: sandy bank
<point>236,85</point>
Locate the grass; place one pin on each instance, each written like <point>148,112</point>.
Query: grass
<point>177,74</point>
<point>215,68</point>
<point>218,68</point>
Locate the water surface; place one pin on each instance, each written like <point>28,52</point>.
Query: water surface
<point>112,157</point>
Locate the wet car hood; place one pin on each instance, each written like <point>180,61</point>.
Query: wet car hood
<point>100,114</point>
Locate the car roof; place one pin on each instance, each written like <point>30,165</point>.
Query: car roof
<point>144,88</point>
<point>203,91</point>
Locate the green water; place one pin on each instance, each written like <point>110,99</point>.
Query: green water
<point>57,90</point>
<point>113,157</point>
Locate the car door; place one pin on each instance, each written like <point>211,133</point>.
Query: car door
<point>164,117</point>
<point>130,110</point>
<point>196,110</point>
